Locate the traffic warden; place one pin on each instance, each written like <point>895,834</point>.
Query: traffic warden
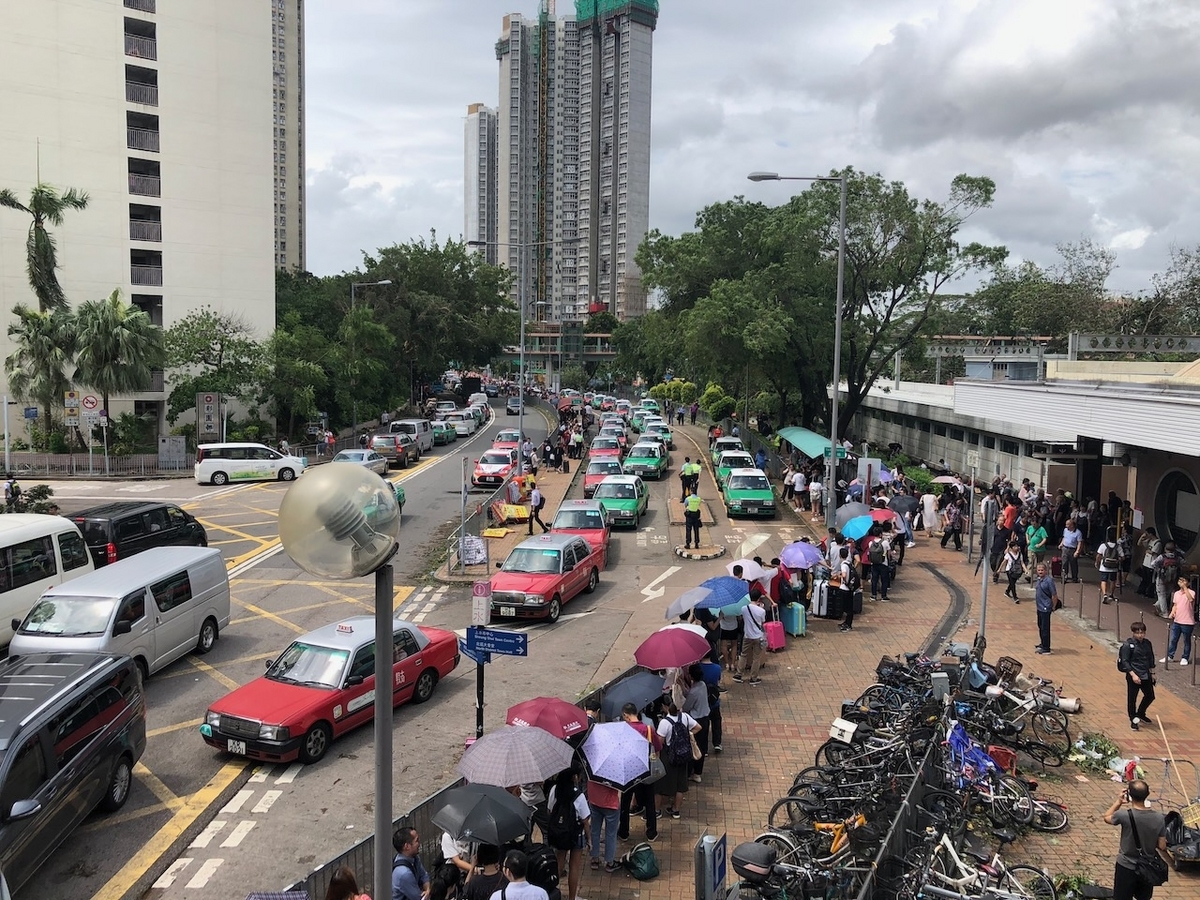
<point>691,518</point>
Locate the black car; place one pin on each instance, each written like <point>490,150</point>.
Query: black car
<point>491,390</point>
<point>74,727</point>
<point>117,530</point>
<point>513,407</point>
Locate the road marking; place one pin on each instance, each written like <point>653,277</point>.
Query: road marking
<point>178,726</point>
<point>652,591</point>
<point>750,544</point>
<point>157,788</point>
<point>241,564</point>
<point>142,488</point>
<point>219,677</point>
<point>278,620</point>
<point>168,877</point>
<point>236,803</point>
<point>289,774</point>
<point>240,830</point>
<point>204,838</point>
<point>259,776</point>
<point>264,805</point>
<point>529,626</point>
<point>197,804</point>
<point>207,869</point>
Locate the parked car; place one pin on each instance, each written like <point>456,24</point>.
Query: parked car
<point>507,439</point>
<point>513,406</point>
<point>544,572</point>
<point>649,460</point>
<point>625,499</point>
<point>597,470</point>
<point>74,727</point>
<point>322,686</point>
<point>420,430</point>
<point>585,518</point>
<point>397,449</point>
<point>725,445</point>
<point>121,529</point>
<point>730,460</point>
<point>443,433</point>
<point>602,447</point>
<point>222,463</point>
<point>463,421</point>
<point>493,468</point>
<point>368,459</point>
<point>36,552</point>
<point>748,492</point>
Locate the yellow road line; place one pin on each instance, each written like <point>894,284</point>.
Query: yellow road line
<point>178,726</point>
<point>157,788</point>
<point>110,821</point>
<point>279,620</point>
<point>218,677</point>
<point>235,561</point>
<point>129,875</point>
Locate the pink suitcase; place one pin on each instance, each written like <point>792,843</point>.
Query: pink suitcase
<point>775,637</point>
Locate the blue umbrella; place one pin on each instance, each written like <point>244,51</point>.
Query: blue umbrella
<point>857,527</point>
<point>735,609</point>
<point>724,590</point>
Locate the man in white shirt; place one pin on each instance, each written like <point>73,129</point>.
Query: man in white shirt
<point>516,864</point>
<point>754,617</point>
<point>800,487</point>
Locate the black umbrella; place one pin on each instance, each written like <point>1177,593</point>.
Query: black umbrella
<point>482,813</point>
<point>640,690</point>
<point>904,504</point>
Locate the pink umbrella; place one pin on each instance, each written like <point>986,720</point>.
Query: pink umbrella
<point>671,648</point>
<point>946,479</point>
<point>558,717</point>
<point>885,515</point>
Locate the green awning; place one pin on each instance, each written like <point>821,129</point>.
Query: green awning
<point>807,442</point>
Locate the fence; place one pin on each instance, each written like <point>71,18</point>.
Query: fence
<point>361,857</point>
<point>27,464</point>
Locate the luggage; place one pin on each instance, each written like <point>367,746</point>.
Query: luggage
<point>566,466</point>
<point>1056,567</point>
<point>795,619</point>
<point>775,638</point>
<point>836,603</point>
<point>857,600</point>
<point>820,598</point>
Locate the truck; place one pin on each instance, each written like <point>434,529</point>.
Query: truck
<point>471,384</point>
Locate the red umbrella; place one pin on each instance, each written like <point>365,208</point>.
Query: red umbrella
<point>560,718</point>
<point>671,648</point>
<point>885,515</point>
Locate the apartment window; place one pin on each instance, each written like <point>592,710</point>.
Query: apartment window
<point>140,5</point>
<point>973,438</point>
<point>151,305</point>
<point>146,267</point>
<point>144,177</point>
<point>145,222</point>
<point>140,39</point>
<point>1012,447</point>
<point>957,434</point>
<point>141,85</point>
<point>142,132</point>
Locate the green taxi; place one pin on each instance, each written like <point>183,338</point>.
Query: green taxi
<point>639,419</point>
<point>732,459</point>
<point>747,492</point>
<point>649,460</point>
<point>662,428</point>
<point>725,445</point>
<point>443,433</point>
<point>624,498</point>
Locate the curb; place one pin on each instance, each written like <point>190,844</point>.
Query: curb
<point>700,555</point>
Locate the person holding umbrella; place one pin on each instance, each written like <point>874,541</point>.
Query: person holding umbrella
<point>570,819</point>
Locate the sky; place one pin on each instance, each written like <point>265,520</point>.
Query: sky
<point>1084,112</point>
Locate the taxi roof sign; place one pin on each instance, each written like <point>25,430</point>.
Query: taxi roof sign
<point>343,628</point>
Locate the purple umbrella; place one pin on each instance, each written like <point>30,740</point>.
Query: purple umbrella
<point>800,555</point>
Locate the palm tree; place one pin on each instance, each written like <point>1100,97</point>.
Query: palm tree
<point>46,205</point>
<point>119,347</point>
<point>36,370</point>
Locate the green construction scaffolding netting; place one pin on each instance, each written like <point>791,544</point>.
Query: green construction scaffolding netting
<point>590,9</point>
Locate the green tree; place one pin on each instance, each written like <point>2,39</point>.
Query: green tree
<point>46,207</point>
<point>602,322</point>
<point>573,376</point>
<point>36,370</point>
<point>213,351</point>
<point>362,349</point>
<point>296,355</point>
<point>118,345</point>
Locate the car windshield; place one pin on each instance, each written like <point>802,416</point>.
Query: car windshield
<point>734,444</point>
<point>532,559</point>
<point>657,428</point>
<point>510,437</point>
<point>578,518</point>
<point>604,468</point>
<point>349,456</point>
<point>615,491</point>
<point>643,452</point>
<point>495,459</point>
<point>310,664</point>
<point>614,433</point>
<point>604,444</point>
<point>735,461</point>
<point>749,483</point>
<point>69,616</point>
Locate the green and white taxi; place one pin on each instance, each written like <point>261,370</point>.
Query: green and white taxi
<point>747,492</point>
<point>647,459</point>
<point>730,460</point>
<point>624,498</point>
<point>724,445</point>
<point>662,428</point>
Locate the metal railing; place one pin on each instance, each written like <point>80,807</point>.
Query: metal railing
<point>146,94</point>
<point>150,275</point>
<point>28,464</point>
<point>145,230</point>
<point>899,839</point>
<point>142,5</point>
<point>145,185</point>
<point>142,139</point>
<point>141,47</point>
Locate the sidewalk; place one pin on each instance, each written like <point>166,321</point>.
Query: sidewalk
<point>773,730</point>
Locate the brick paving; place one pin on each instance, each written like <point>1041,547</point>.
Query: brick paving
<point>773,730</point>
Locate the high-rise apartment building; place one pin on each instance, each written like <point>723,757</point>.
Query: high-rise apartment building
<point>479,180</point>
<point>572,156</point>
<point>161,113</point>
<point>287,64</point>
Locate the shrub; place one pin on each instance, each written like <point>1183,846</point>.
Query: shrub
<point>722,408</point>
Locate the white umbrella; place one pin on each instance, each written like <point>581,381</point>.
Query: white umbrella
<point>687,626</point>
<point>751,571</point>
<point>686,601</point>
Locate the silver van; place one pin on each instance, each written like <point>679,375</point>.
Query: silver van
<point>36,552</point>
<point>155,607</point>
<point>420,430</point>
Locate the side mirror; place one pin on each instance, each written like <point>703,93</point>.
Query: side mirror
<point>268,663</point>
<point>16,623</point>
<point>499,564</point>
<point>123,626</point>
<point>353,680</point>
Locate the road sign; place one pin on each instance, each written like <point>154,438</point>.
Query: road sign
<point>90,401</point>
<point>90,417</point>
<point>71,400</point>
<point>481,603</point>
<point>477,656</point>
<point>103,420</point>
<point>972,459</point>
<point>31,412</point>
<point>208,414</point>
<point>506,643</point>
<point>841,453</point>
<point>71,421</point>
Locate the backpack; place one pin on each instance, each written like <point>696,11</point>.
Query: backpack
<point>562,831</point>
<point>854,582</point>
<point>1123,655</point>
<point>1170,568</point>
<point>875,552</point>
<point>641,862</point>
<point>1110,558</point>
<point>677,750</point>
<point>543,867</point>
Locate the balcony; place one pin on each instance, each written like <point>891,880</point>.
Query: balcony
<point>141,139</point>
<point>147,275</point>
<point>141,230</point>
<point>141,47</point>
<point>146,94</point>
<point>140,5</point>
<point>157,382</point>
<point>145,185</point>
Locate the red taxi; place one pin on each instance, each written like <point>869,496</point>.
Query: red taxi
<point>507,439</point>
<point>597,471</point>
<point>322,686</point>
<point>618,433</point>
<point>544,572</point>
<point>493,468</point>
<point>605,447</point>
<point>585,518</point>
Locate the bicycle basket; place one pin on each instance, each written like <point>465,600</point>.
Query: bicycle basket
<point>1008,668</point>
<point>887,668</point>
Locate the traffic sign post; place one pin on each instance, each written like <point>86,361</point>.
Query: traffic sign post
<point>481,643</point>
<point>841,453</point>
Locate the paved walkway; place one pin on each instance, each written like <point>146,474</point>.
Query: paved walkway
<point>772,730</point>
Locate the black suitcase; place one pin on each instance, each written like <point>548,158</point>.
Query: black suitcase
<point>566,466</point>
<point>834,607</point>
<point>858,602</point>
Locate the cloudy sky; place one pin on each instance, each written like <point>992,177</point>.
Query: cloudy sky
<point>1083,111</point>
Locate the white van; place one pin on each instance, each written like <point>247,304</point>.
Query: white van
<point>155,607</point>
<point>463,422</point>
<point>477,397</point>
<point>420,430</point>
<point>222,463</point>
<point>36,552</point>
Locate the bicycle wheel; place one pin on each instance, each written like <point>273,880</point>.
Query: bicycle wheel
<point>813,775</point>
<point>792,814</point>
<point>943,807</point>
<point>787,850</point>
<point>1050,727</point>
<point>1048,815</point>
<point>1011,802</point>
<point>1026,881</point>
<point>833,753</point>
<point>1044,753</point>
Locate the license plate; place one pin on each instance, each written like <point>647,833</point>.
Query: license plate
<point>508,610</point>
<point>238,747</point>
<point>751,509</point>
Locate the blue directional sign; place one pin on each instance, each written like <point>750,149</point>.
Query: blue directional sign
<point>31,412</point>
<point>477,656</point>
<point>507,643</point>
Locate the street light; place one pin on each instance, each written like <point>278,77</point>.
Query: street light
<point>831,477</point>
<point>353,285</point>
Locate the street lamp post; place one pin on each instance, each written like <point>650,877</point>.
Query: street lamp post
<point>831,476</point>
<point>353,285</point>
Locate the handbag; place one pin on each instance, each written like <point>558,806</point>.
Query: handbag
<point>657,769</point>
<point>1150,868</point>
<point>696,754</point>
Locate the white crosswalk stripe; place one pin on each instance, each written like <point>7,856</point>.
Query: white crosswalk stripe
<point>167,878</point>
<point>207,869</point>
<point>204,838</point>
<point>240,830</point>
<point>289,774</point>
<point>268,798</point>
<point>236,803</point>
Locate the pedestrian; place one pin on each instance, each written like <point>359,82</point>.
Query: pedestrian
<point>1143,831</point>
<point>929,516</point>
<point>878,551</point>
<point>284,447</point>
<point>674,784</point>
<point>952,525</point>
<point>516,864</point>
<point>1045,598</point>
<point>362,440</point>
<point>330,440</point>
<point>1108,561</point>
<point>848,583</point>
<point>533,464</point>
<point>695,408</point>
<point>459,854</point>
<point>696,705</point>
<point>12,492</point>
<point>1136,660</point>
<point>1070,546</point>
<point>536,503</point>
<point>800,496</point>
<point>731,633</point>
<point>1012,569</point>
<point>1145,547</point>
<point>604,805</point>
<point>711,669</point>
<point>569,824</point>
<point>1166,573</point>
<point>712,432</point>
<point>642,794</point>
<point>754,638</point>
<point>487,877</point>
<point>816,494</point>
<point>1183,621</point>
<point>760,459</point>
<point>410,881</point>
<point>344,886</point>
<point>685,478</point>
<point>691,519</point>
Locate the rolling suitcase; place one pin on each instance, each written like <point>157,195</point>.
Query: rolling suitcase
<point>566,466</point>
<point>833,604</point>
<point>1056,567</point>
<point>794,619</point>
<point>775,638</point>
<point>820,598</point>
<point>857,601</point>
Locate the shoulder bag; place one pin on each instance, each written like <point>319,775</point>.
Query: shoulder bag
<point>1150,867</point>
<point>657,769</point>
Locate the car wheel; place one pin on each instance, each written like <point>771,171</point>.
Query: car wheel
<point>208,636</point>
<point>143,669</point>
<point>417,455</point>
<point>287,475</point>
<point>316,742</point>
<point>117,791</point>
<point>555,609</point>
<point>425,685</point>
<point>593,580</point>
<point>637,518</point>
<point>404,461</point>
<point>219,478</point>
